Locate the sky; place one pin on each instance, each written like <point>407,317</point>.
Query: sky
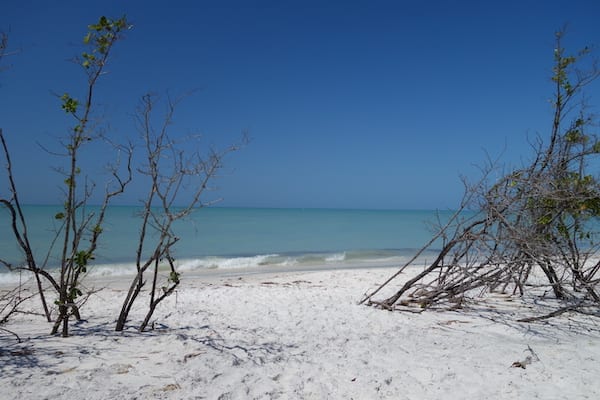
<point>348,104</point>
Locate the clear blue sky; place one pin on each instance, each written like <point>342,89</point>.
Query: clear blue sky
<point>354,104</point>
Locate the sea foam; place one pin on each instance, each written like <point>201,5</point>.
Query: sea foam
<point>214,264</point>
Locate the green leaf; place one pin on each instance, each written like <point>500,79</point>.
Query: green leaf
<point>575,136</point>
<point>82,258</point>
<point>174,277</point>
<point>69,104</point>
<point>545,220</point>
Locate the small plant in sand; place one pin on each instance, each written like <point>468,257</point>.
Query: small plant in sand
<point>78,224</point>
<point>170,168</point>
<point>79,229</point>
<point>535,230</point>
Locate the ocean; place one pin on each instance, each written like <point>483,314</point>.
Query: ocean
<point>218,239</point>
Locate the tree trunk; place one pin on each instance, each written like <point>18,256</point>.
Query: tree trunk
<point>42,297</point>
<point>134,291</point>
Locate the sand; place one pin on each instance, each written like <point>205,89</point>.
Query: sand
<point>300,335</point>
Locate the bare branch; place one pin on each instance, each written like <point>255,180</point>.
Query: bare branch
<point>177,176</point>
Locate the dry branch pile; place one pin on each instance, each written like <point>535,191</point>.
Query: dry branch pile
<point>535,229</point>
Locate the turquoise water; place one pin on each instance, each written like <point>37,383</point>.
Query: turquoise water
<point>241,238</point>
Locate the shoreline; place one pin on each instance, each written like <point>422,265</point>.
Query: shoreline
<point>126,271</point>
<point>298,335</point>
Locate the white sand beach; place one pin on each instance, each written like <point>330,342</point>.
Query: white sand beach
<point>299,335</point>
